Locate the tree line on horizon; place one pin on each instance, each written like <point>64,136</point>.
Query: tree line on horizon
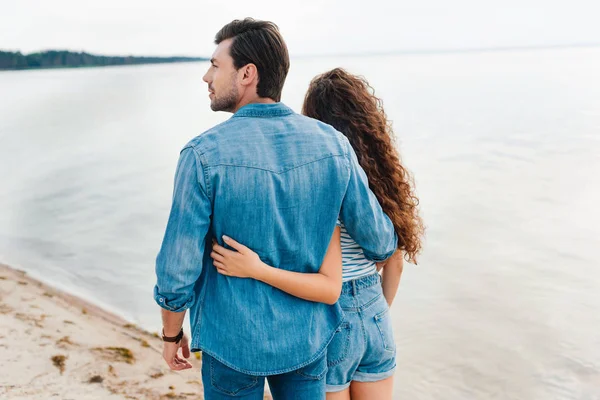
<point>61,59</point>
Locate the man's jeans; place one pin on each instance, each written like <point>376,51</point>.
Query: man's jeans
<point>221,382</point>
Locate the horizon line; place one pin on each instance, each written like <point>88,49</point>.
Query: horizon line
<point>429,51</point>
<point>455,50</point>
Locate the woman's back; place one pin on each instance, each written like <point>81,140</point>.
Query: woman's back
<point>354,263</point>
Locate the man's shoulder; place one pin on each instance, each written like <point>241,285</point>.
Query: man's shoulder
<point>324,129</point>
<point>316,124</point>
<point>207,139</point>
<point>226,131</point>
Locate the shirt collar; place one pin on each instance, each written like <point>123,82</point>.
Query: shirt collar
<point>265,110</point>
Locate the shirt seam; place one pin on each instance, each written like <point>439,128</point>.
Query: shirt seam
<point>199,158</point>
<point>276,172</point>
<point>261,115</point>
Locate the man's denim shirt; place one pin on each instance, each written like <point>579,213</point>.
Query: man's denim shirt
<point>275,181</point>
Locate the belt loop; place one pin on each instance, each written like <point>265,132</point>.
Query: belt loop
<point>354,289</point>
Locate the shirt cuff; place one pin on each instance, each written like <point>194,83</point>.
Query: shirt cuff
<point>378,257</point>
<point>172,305</point>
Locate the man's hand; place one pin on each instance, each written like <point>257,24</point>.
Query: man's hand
<point>171,356</point>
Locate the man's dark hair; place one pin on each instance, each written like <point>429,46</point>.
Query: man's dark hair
<point>259,43</point>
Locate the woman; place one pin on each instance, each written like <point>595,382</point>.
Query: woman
<point>361,356</point>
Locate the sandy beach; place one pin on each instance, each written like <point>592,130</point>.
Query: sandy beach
<point>56,346</point>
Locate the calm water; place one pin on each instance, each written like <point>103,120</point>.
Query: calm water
<point>505,147</point>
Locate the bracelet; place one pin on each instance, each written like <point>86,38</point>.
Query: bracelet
<point>172,339</point>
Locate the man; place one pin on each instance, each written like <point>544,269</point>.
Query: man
<point>277,182</point>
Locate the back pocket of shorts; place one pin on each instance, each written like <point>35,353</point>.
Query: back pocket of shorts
<point>384,324</point>
<point>338,347</point>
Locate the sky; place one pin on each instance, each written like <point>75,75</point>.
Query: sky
<point>310,27</point>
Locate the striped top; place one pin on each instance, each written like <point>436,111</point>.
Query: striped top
<point>354,263</point>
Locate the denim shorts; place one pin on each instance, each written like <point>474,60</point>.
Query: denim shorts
<point>363,348</point>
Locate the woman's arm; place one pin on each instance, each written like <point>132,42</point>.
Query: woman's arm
<point>324,286</point>
<point>392,272</point>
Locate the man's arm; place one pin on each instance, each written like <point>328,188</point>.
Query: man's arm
<point>179,262</point>
<point>363,217</point>
<point>172,320</point>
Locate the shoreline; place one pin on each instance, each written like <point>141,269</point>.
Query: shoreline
<point>84,298</point>
<point>55,344</point>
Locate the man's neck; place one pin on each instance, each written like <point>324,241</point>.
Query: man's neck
<point>253,100</point>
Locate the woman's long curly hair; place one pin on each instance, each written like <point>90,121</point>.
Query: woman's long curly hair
<point>348,103</point>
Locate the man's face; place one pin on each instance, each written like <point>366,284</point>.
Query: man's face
<point>222,79</point>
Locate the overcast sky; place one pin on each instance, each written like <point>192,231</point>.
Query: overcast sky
<point>187,27</point>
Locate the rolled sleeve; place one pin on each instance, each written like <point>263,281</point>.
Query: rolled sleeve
<point>172,305</point>
<point>179,261</point>
<point>363,216</point>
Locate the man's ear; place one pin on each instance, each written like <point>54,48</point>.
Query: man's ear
<point>249,74</point>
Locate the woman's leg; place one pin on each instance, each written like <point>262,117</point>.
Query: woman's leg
<point>374,377</point>
<point>380,390</point>
<point>342,395</point>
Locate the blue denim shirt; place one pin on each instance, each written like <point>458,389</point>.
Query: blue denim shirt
<point>275,181</point>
